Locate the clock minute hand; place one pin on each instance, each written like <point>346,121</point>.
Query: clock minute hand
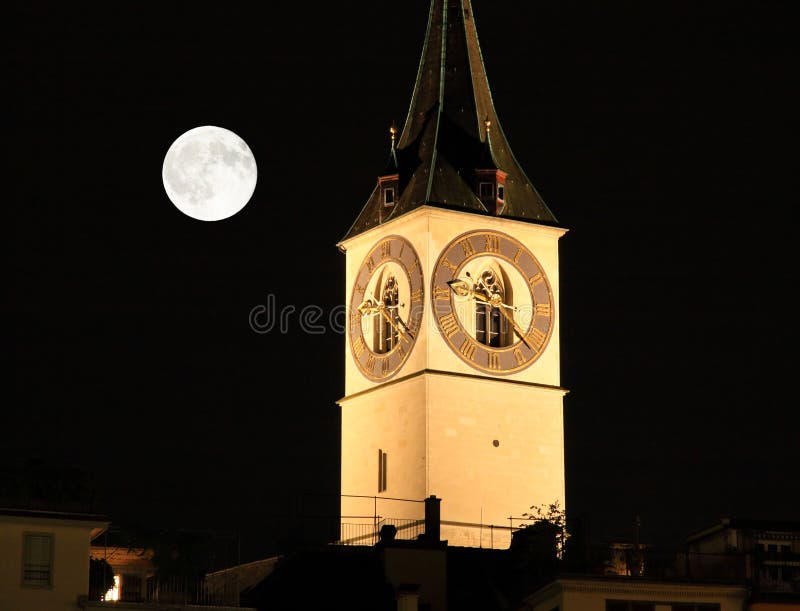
<point>496,302</point>
<point>394,326</point>
<point>402,322</point>
<point>516,327</point>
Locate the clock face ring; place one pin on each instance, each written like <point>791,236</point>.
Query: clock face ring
<point>386,307</point>
<point>492,302</point>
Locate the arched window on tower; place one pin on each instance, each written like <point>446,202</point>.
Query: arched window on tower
<point>386,336</point>
<point>491,326</point>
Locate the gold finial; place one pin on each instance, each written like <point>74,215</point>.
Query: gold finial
<point>488,125</point>
<point>393,132</point>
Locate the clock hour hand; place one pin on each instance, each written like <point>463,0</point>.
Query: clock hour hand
<point>370,308</point>
<point>463,289</point>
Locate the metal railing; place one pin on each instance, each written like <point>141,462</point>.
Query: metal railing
<point>177,590</point>
<point>188,591</point>
<point>369,534</point>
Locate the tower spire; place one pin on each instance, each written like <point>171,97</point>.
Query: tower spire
<point>446,133</point>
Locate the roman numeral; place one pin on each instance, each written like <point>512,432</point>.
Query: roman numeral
<point>536,339</point>
<point>468,349</point>
<point>414,267</point>
<point>401,351</point>
<point>385,366</point>
<point>446,263</point>
<point>519,356</point>
<point>449,324</point>
<point>467,246</point>
<point>370,265</point>
<point>355,320</point>
<point>536,280</point>
<point>441,294</point>
<point>518,255</point>
<point>370,364</point>
<point>359,289</point>
<point>492,243</point>
<point>543,309</point>
<point>402,250</point>
<point>386,249</point>
<point>359,346</point>
<point>416,296</point>
<point>494,361</point>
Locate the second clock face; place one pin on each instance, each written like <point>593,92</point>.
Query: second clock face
<point>492,302</point>
<point>386,308</point>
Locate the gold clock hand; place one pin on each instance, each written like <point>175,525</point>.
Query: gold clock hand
<point>367,307</point>
<point>516,327</point>
<point>405,326</point>
<point>462,288</point>
<point>394,326</point>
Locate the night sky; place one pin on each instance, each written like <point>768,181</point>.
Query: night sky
<point>658,133</point>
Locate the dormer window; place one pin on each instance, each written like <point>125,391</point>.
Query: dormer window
<point>490,186</point>
<point>389,193</point>
<point>388,196</point>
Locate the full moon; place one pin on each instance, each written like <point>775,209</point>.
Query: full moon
<point>209,173</point>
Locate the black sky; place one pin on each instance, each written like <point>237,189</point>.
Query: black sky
<point>657,133</point>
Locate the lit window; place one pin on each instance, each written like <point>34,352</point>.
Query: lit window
<point>37,564</point>
<point>381,471</point>
<point>501,192</point>
<point>388,196</point>
<point>113,593</point>
<point>487,190</point>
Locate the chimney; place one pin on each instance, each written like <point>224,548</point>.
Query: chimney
<point>432,518</point>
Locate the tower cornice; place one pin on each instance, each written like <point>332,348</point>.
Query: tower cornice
<point>451,374</point>
<point>436,209</point>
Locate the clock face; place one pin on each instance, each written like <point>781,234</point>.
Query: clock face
<point>492,302</point>
<point>386,308</point>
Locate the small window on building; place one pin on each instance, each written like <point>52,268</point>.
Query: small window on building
<point>37,560</point>
<point>487,190</point>
<point>501,192</point>
<point>388,196</point>
<point>382,461</point>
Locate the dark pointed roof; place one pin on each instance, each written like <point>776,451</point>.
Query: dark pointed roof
<point>444,140</point>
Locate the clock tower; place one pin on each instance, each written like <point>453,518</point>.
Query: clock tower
<point>452,356</point>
